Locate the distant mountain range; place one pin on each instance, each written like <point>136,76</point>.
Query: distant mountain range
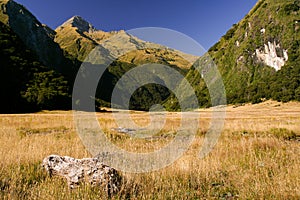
<point>258,59</point>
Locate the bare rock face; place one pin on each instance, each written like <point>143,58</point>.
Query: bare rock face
<point>89,170</point>
<point>272,55</point>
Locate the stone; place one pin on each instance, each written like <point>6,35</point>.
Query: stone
<point>89,170</point>
<point>123,130</point>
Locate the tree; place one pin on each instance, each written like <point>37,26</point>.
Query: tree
<point>47,90</point>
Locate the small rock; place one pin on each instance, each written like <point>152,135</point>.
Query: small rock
<point>123,130</point>
<point>89,170</point>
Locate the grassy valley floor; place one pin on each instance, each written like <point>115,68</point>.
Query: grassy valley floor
<point>256,157</point>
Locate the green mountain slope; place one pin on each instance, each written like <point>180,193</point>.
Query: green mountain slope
<point>25,84</point>
<point>258,57</point>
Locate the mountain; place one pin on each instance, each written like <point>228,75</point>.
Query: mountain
<point>36,36</point>
<point>73,37</point>
<point>25,84</point>
<point>58,54</point>
<point>78,38</point>
<point>258,57</point>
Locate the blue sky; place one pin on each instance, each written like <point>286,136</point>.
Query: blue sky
<point>205,21</point>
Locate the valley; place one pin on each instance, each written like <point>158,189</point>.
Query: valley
<point>258,148</point>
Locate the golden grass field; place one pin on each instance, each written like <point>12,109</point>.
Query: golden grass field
<point>256,157</point>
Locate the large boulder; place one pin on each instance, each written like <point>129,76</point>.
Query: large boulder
<point>89,170</point>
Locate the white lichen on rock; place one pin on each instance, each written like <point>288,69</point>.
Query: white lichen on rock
<point>272,55</point>
<point>89,170</point>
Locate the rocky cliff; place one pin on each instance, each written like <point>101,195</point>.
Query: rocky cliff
<point>272,55</point>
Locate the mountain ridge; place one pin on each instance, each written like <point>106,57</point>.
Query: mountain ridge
<point>35,35</point>
<point>118,43</point>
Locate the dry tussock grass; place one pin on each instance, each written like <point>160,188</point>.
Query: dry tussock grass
<point>257,156</point>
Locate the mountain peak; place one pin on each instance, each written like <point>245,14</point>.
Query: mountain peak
<point>80,23</point>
